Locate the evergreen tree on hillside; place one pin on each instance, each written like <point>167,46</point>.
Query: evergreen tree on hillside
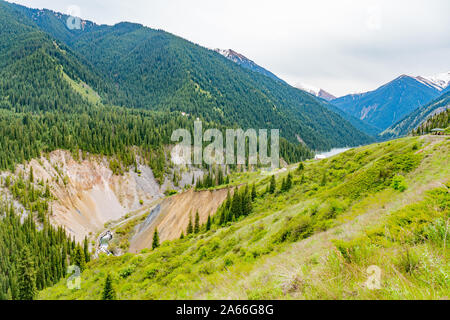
<point>247,203</point>
<point>108,290</point>
<point>79,258</point>
<point>87,255</point>
<point>236,205</point>
<point>208,223</point>
<point>31,175</point>
<point>283,185</point>
<point>190,228</point>
<point>27,276</point>
<point>273,184</point>
<point>253,192</point>
<point>197,223</point>
<point>155,243</point>
<point>323,182</point>
<point>287,183</point>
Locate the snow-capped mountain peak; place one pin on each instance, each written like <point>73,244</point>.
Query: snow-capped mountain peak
<point>440,81</point>
<point>233,55</point>
<point>246,63</point>
<point>318,92</point>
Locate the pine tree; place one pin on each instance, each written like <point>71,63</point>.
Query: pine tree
<point>253,192</point>
<point>283,185</point>
<point>155,243</point>
<point>228,202</point>
<point>208,223</point>
<point>301,166</point>
<point>182,235</point>
<point>190,228</point>
<point>108,291</point>
<point>288,185</point>
<point>27,276</point>
<point>324,179</point>
<point>87,255</point>
<point>78,258</point>
<point>236,205</point>
<point>31,175</point>
<point>248,207</point>
<point>272,185</point>
<point>197,223</point>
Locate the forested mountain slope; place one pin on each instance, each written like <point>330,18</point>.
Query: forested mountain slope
<point>154,70</point>
<point>438,121</point>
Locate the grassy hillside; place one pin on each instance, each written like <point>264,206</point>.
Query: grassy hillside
<point>385,204</point>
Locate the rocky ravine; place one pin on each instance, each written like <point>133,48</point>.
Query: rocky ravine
<point>88,194</point>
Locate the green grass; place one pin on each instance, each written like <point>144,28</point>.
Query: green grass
<point>284,249</point>
<point>83,89</point>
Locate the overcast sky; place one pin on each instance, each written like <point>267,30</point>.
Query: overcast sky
<point>341,46</point>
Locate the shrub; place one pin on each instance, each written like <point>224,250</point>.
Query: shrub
<point>296,229</point>
<point>151,271</point>
<point>399,183</point>
<point>128,271</point>
<point>170,192</point>
<point>229,260</point>
<point>207,268</point>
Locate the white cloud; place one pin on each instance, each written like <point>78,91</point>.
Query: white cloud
<point>341,46</point>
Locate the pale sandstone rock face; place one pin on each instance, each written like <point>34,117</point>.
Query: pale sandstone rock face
<point>171,216</point>
<point>88,194</point>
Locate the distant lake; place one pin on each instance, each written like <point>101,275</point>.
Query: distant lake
<point>332,152</point>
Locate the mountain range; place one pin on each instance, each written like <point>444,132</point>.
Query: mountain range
<point>137,67</point>
<point>391,102</point>
<point>417,117</point>
<point>394,104</point>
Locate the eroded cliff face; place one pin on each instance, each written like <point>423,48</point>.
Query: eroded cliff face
<point>171,216</point>
<point>88,194</point>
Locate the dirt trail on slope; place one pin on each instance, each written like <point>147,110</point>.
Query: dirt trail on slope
<point>171,217</point>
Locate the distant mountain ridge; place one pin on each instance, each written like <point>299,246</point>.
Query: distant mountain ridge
<point>391,102</point>
<point>440,81</point>
<point>318,92</point>
<point>323,96</point>
<point>417,117</point>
